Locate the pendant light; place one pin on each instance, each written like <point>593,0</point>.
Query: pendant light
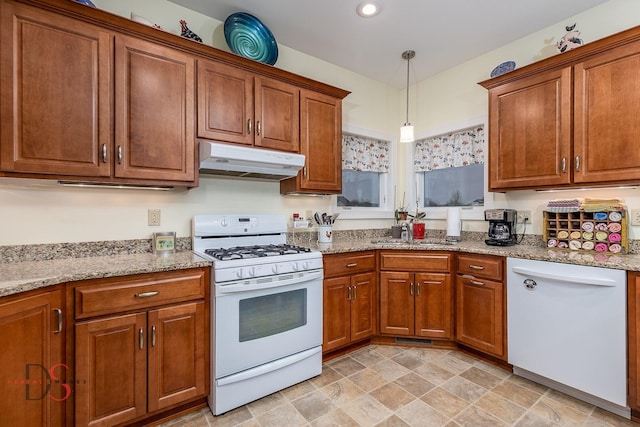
<point>406,131</point>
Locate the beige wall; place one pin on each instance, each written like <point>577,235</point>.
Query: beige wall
<point>38,211</point>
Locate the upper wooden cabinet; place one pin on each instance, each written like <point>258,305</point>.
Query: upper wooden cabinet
<point>570,120</point>
<point>321,143</point>
<point>235,105</point>
<point>60,77</point>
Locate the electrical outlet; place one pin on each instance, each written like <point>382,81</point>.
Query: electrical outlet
<point>153,217</point>
<point>635,216</point>
<point>521,216</point>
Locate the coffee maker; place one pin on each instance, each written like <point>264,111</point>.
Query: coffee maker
<point>502,226</point>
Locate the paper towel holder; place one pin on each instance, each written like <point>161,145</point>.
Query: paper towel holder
<point>454,225</point>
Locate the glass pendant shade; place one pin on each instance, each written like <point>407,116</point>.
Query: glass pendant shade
<point>406,133</point>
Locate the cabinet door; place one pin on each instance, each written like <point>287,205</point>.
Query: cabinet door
<point>321,143</point>
<point>155,112</point>
<point>111,357</point>
<point>32,353</point>
<point>336,313</point>
<point>606,126</point>
<point>277,115</point>
<point>225,103</point>
<point>363,307</point>
<point>480,314</point>
<point>530,132</point>
<point>633,304</point>
<point>176,343</point>
<point>56,94</point>
<point>396,303</point>
<point>434,305</point>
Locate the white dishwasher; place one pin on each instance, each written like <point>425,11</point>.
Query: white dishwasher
<point>567,329</point>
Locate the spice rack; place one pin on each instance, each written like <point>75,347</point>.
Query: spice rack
<point>605,232</point>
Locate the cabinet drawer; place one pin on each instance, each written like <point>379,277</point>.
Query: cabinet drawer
<point>481,266</point>
<point>415,261</point>
<point>340,264</point>
<point>106,296</point>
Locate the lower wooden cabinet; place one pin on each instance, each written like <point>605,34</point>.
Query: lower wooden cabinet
<point>633,328</point>
<point>416,294</point>
<point>32,371</point>
<point>147,353</point>
<point>349,310</point>
<point>480,304</point>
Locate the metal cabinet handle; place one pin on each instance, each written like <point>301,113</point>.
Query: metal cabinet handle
<point>104,153</point>
<point>348,293</point>
<point>153,336</point>
<point>119,154</point>
<point>249,126</point>
<point>355,292</point>
<point>147,294</point>
<point>563,164</point>
<point>353,264</point>
<point>476,282</point>
<point>304,171</point>
<point>141,339</point>
<point>59,316</point>
<point>411,288</point>
<point>476,267</point>
<point>418,289</point>
<point>577,163</point>
<point>258,128</point>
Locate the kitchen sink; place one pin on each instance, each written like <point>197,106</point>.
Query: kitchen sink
<point>421,242</point>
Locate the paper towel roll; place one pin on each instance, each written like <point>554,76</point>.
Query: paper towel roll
<point>453,222</point>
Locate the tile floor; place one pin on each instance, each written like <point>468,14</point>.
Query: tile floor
<point>398,386</point>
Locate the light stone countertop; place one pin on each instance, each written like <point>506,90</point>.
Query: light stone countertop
<point>17,277</point>
<point>616,261</point>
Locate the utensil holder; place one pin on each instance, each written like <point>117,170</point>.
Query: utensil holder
<point>325,234</point>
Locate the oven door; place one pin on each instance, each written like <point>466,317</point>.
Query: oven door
<point>266,320</point>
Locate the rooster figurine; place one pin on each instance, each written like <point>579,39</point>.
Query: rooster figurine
<point>187,33</point>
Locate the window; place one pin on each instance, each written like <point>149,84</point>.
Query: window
<point>449,169</point>
<point>365,174</point>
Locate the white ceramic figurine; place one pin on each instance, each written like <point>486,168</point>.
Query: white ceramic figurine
<point>570,40</point>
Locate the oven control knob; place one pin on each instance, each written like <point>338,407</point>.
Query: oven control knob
<point>275,269</point>
<point>252,272</point>
<point>305,265</point>
<point>239,273</point>
<point>296,266</point>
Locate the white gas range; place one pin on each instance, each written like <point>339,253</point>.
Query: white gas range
<point>266,304</point>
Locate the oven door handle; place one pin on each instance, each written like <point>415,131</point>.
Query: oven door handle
<point>296,280</point>
<point>268,367</point>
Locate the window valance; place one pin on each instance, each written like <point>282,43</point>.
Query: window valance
<point>360,153</point>
<point>455,149</point>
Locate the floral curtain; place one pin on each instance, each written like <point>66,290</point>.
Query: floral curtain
<point>459,148</point>
<point>363,154</point>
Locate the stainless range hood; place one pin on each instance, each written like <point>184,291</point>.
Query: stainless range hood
<point>247,162</point>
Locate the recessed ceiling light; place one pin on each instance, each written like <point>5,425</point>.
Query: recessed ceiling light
<point>367,9</point>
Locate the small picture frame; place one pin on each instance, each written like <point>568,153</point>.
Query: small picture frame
<point>164,243</point>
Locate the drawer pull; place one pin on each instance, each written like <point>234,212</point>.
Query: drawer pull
<point>355,292</point>
<point>577,163</point>
<point>141,339</point>
<point>476,282</point>
<point>104,153</point>
<point>476,267</point>
<point>119,154</point>
<point>563,165</point>
<point>258,127</point>
<point>59,316</point>
<point>153,336</point>
<point>418,289</point>
<point>249,126</point>
<point>411,288</point>
<point>147,294</point>
<point>353,264</point>
<point>348,293</point>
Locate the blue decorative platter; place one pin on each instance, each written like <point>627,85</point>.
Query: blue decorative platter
<point>505,67</point>
<point>248,37</point>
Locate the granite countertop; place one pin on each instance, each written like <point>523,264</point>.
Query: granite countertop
<point>16,277</point>
<point>621,262</point>
<point>21,276</point>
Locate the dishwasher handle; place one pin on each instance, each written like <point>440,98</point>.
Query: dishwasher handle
<point>591,281</point>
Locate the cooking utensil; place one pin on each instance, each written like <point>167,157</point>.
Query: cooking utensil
<point>324,218</point>
<point>334,217</point>
<point>316,217</point>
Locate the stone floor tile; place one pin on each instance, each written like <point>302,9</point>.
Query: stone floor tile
<point>611,418</point>
<point>476,417</point>
<point>533,420</point>
<point>367,411</point>
<point>445,402</point>
<point>267,403</point>
<point>232,418</point>
<point>392,396</point>
<point>558,412</point>
<point>298,390</point>
<point>408,359</point>
<point>342,392</point>
<point>367,356</point>
<point>481,377</point>
<point>284,415</point>
<point>433,373</point>
<point>392,421</point>
<point>580,405</point>
<point>390,370</point>
<point>328,376</point>
<point>346,366</point>
<point>334,418</point>
<point>523,396</point>
<point>419,414</point>
<point>313,405</point>
<point>500,407</point>
<point>464,389</point>
<point>368,380</point>
<point>414,384</point>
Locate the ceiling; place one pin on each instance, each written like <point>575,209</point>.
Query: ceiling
<point>443,33</point>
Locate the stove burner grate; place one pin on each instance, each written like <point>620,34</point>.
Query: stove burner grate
<point>255,251</point>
